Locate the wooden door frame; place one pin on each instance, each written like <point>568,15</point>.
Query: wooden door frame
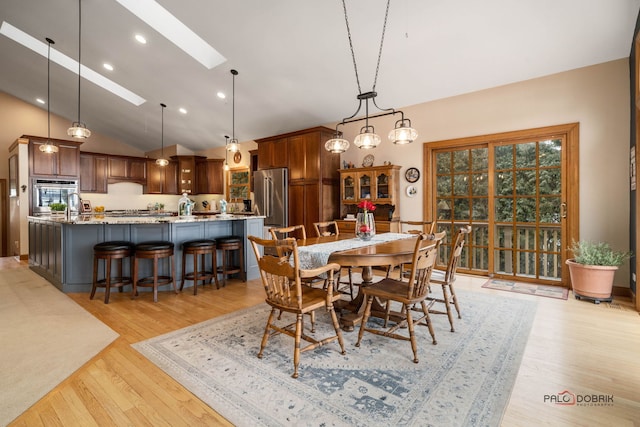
<point>569,171</point>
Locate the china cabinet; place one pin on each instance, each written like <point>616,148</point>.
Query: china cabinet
<point>378,184</point>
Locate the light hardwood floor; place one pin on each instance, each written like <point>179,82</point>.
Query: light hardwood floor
<point>587,349</point>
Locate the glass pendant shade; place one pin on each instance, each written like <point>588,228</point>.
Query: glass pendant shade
<point>367,138</point>
<point>78,130</point>
<point>226,166</point>
<point>403,133</point>
<point>337,145</point>
<point>162,162</point>
<point>233,146</point>
<point>48,148</point>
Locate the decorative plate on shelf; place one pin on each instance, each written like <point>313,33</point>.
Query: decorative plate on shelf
<point>367,162</point>
<point>412,175</point>
<point>411,191</point>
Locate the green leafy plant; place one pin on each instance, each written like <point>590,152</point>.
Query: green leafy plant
<point>58,206</point>
<point>597,253</point>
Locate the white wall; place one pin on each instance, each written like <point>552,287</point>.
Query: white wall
<point>597,97</point>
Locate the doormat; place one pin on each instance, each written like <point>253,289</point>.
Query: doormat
<point>549,291</point>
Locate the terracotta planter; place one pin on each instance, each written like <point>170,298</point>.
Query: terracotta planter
<point>591,281</point>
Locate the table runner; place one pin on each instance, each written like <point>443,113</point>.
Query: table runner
<point>317,255</point>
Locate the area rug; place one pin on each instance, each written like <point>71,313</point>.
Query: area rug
<point>464,380</point>
<point>549,291</point>
<point>45,337</point>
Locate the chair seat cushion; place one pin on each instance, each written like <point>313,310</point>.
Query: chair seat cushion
<point>154,245</point>
<point>198,243</point>
<point>228,239</point>
<point>115,245</point>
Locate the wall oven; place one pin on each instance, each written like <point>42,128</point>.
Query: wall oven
<point>48,191</point>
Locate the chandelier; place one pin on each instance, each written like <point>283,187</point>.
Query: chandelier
<point>403,133</point>
<point>79,129</point>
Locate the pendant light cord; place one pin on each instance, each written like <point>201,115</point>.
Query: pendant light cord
<point>162,131</point>
<point>353,55</point>
<point>79,52</point>
<point>50,42</point>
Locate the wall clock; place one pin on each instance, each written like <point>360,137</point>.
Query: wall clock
<point>412,175</point>
<point>237,157</point>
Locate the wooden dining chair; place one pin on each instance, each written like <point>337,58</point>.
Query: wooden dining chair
<point>330,228</point>
<point>413,291</point>
<point>282,282</point>
<point>417,227</point>
<point>279,233</point>
<point>447,277</point>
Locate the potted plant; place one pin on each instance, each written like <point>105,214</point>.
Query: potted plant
<point>592,269</point>
<point>58,207</point>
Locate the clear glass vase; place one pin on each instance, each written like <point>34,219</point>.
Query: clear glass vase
<point>365,225</point>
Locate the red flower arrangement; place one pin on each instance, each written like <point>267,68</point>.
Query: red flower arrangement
<point>366,206</point>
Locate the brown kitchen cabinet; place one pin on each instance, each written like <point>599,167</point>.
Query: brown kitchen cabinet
<point>63,164</point>
<point>210,176</point>
<point>161,179</point>
<point>93,172</point>
<point>273,153</point>
<point>127,169</point>
<point>187,173</point>
<point>313,173</point>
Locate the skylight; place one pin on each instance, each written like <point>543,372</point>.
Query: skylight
<point>63,60</point>
<point>158,18</point>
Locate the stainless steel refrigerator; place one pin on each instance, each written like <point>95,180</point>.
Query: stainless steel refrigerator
<point>271,197</point>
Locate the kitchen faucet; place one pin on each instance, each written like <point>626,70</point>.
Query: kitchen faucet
<point>69,205</point>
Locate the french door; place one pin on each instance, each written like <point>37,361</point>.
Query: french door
<point>513,189</point>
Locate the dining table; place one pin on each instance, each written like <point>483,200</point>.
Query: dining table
<point>383,250</point>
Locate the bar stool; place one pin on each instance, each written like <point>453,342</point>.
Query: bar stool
<point>109,251</point>
<point>199,248</point>
<point>154,250</point>
<point>227,245</point>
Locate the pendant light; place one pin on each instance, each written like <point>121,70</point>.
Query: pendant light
<point>162,161</point>
<point>226,153</point>
<point>48,147</point>
<point>367,138</point>
<point>79,129</point>
<point>233,145</point>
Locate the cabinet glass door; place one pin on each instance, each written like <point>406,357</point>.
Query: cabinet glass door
<point>348,188</point>
<point>383,187</point>
<point>365,182</point>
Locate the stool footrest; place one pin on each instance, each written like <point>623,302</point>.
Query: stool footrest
<point>161,280</point>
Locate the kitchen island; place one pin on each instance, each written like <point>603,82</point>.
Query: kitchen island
<point>61,249</point>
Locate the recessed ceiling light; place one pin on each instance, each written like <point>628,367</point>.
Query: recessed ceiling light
<point>63,60</point>
<point>159,18</point>
<point>183,110</point>
<point>221,95</point>
<point>108,66</point>
<point>41,101</point>
<point>141,39</point>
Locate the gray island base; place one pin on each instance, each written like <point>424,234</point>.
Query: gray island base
<point>61,250</point>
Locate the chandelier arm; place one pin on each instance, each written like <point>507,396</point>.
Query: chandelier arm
<point>375,116</point>
<point>384,26</point>
<point>383,109</point>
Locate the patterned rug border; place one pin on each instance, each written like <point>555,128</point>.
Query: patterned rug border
<point>202,373</point>
<point>565,292</point>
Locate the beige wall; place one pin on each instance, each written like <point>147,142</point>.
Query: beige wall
<point>597,97</point>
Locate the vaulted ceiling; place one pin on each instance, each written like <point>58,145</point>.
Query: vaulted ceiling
<point>293,58</point>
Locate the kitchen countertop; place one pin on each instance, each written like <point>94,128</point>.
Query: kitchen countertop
<point>107,219</point>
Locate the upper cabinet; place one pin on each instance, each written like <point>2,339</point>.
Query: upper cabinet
<point>273,153</point>
<point>63,164</point>
<point>93,173</point>
<point>161,179</point>
<point>210,176</point>
<point>127,169</point>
